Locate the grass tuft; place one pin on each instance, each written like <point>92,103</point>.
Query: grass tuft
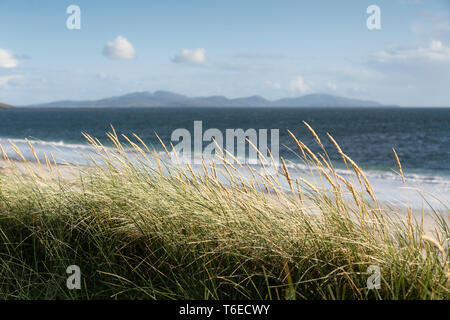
<point>141,227</point>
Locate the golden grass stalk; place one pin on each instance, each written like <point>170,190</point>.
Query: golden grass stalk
<point>399,165</point>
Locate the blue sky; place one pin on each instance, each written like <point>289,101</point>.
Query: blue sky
<point>235,48</point>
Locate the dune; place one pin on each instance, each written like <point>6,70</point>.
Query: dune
<point>184,229</point>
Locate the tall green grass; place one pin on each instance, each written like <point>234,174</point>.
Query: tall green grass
<point>144,228</point>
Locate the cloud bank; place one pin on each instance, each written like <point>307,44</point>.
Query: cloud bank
<point>435,51</point>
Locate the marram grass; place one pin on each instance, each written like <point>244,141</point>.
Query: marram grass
<point>148,229</point>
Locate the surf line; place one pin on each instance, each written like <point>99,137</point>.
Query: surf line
<point>236,139</point>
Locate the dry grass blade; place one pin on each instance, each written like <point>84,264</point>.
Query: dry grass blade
<point>399,165</point>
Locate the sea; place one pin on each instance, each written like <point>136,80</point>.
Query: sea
<point>421,137</point>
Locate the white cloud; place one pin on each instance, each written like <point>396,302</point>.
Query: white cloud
<point>119,49</point>
<point>8,80</point>
<point>190,56</point>
<point>7,60</point>
<point>298,84</point>
<point>435,51</point>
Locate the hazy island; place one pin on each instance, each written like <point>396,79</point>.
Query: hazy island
<point>171,99</point>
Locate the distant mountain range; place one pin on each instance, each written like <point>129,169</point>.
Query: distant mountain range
<point>170,99</point>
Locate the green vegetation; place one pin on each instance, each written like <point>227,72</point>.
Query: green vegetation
<point>164,231</point>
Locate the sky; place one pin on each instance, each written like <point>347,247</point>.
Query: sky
<point>235,48</point>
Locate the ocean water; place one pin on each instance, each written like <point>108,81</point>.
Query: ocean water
<point>421,136</point>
